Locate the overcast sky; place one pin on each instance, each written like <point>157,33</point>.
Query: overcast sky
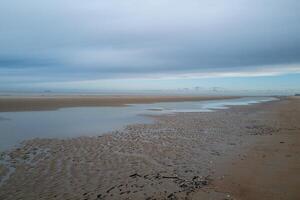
<point>131,44</point>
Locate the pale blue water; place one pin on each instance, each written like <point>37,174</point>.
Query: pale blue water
<point>90,121</point>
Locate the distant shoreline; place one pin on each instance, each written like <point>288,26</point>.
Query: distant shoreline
<point>37,103</point>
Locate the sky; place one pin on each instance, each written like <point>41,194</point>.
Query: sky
<point>216,46</point>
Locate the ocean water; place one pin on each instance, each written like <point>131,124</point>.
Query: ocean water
<point>91,121</point>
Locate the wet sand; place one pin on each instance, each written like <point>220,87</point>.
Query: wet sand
<point>270,169</point>
<point>245,152</point>
<point>31,103</point>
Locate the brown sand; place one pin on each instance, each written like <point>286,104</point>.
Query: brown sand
<point>8,103</point>
<point>246,152</point>
<point>270,169</point>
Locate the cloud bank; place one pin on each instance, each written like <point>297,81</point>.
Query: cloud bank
<point>66,41</point>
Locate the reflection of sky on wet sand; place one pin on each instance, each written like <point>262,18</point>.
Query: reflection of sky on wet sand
<point>90,121</point>
<point>204,106</point>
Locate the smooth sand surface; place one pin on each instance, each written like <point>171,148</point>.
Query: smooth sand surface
<point>270,169</point>
<point>245,152</point>
<point>29,103</point>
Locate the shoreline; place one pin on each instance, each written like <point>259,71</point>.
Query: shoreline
<point>183,156</point>
<point>37,103</point>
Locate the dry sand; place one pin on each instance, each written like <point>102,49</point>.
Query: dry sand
<point>29,103</point>
<point>246,152</point>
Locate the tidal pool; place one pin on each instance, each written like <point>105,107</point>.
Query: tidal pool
<point>90,121</point>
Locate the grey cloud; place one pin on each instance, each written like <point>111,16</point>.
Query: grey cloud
<point>114,39</point>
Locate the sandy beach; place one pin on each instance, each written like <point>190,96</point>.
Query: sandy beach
<point>245,152</point>
<point>150,100</point>
<point>32,103</point>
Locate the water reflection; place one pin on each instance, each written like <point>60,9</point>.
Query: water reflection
<point>89,121</point>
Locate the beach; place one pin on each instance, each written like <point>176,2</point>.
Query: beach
<point>39,102</point>
<point>245,152</point>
